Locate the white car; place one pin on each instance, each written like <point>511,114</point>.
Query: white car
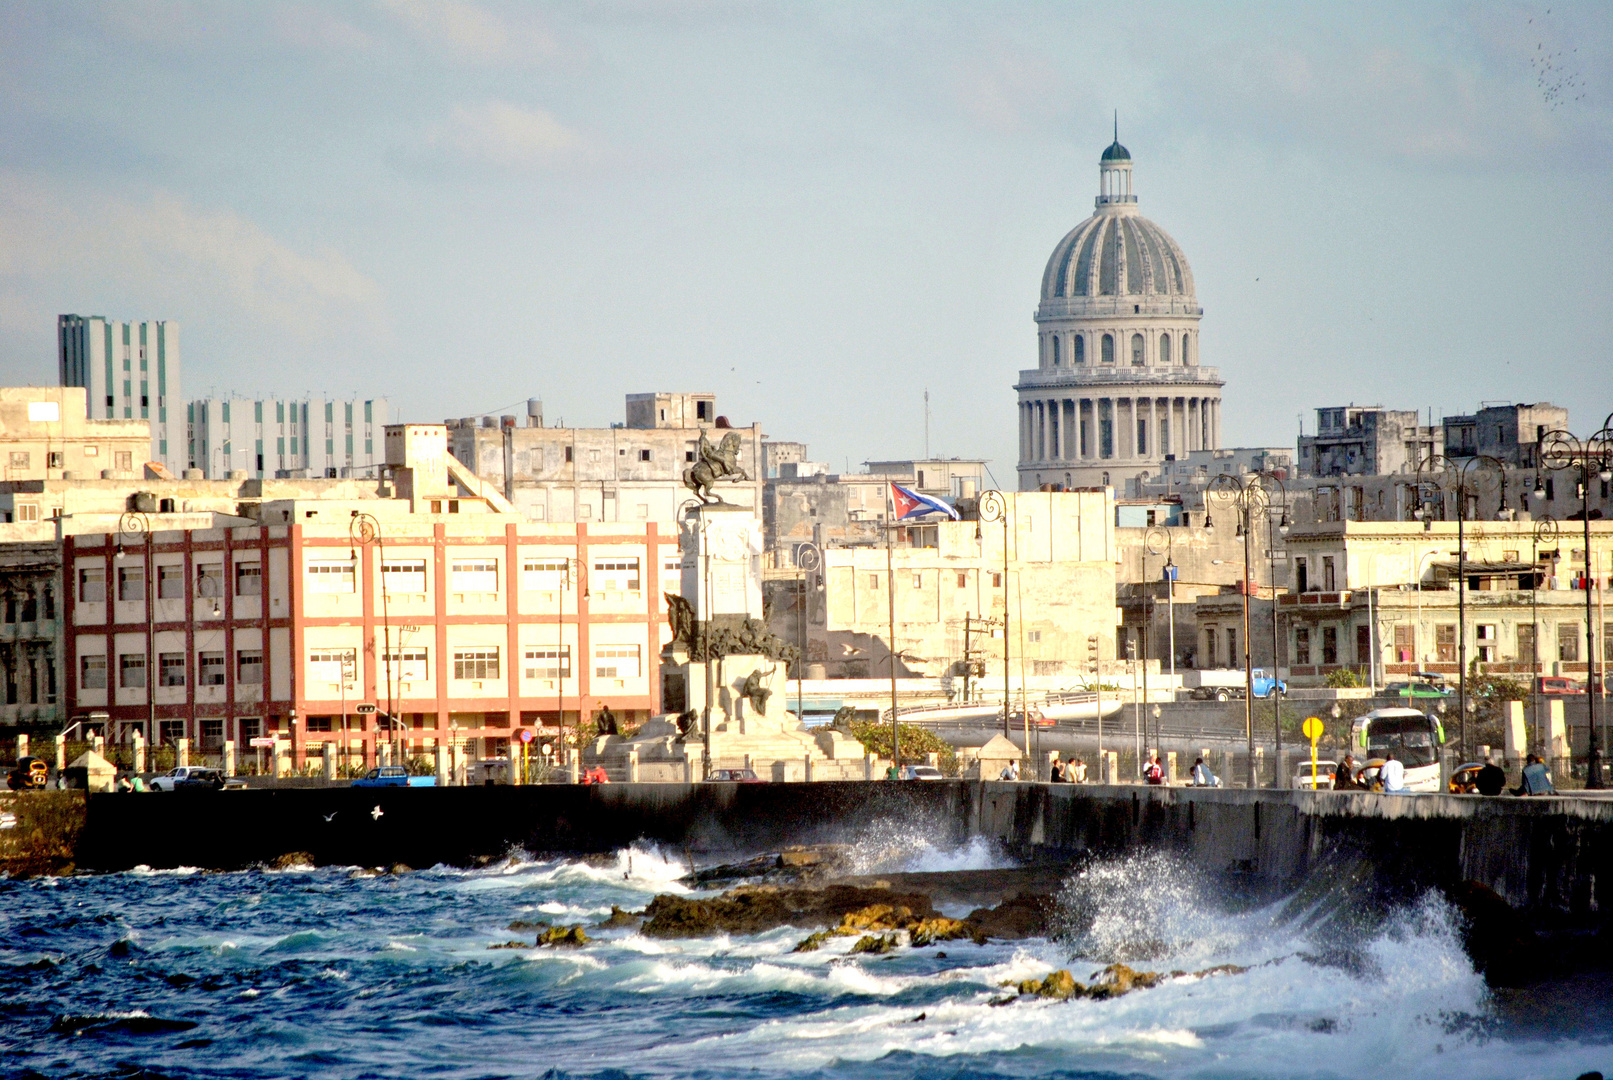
<point>921,772</point>
<point>191,775</point>
<point>1322,780</point>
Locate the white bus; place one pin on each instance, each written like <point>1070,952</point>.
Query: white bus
<point>1414,737</point>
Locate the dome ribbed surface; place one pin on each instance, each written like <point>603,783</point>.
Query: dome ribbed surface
<point>1116,152</point>
<point>1112,254</point>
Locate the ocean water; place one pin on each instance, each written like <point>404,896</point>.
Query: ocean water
<point>340,973</point>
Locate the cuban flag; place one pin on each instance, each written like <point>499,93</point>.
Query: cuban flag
<point>912,504</point>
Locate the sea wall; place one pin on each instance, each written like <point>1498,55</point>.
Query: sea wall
<point>1552,858</point>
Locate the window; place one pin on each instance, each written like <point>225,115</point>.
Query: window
<point>249,667</point>
<point>1486,642</point>
<point>996,580</point>
<point>1302,577</point>
<point>403,575</point>
<point>251,728</point>
<point>1136,350</point>
<point>1329,579</point>
<point>1185,360</point>
<point>131,583</point>
<point>319,723</point>
<point>548,662</point>
<point>212,733</point>
<point>1445,643</point>
<point>616,662</point>
<point>171,582</point>
<point>132,671</point>
<point>1034,637</point>
<point>476,663</point>
<point>1209,647</point>
<point>1232,648</point>
<point>171,669</point>
<point>1330,645</point>
<point>92,672</point>
<point>873,581</point>
<point>333,665</point>
<point>1108,349</point>
<point>91,585</point>
<point>123,460</point>
<point>1080,347</point>
<point>963,581</point>
<point>474,575</point>
<point>170,731</point>
<point>210,580</point>
<point>1164,348</point>
<point>1363,645</point>
<point>1405,643</point>
<point>1568,641</point>
<point>27,511</point>
<point>210,669</point>
<point>248,579</point>
<point>1302,645</point>
<point>1053,340</point>
<point>408,665</point>
<point>1526,641</point>
<point>619,574</point>
<point>331,576</point>
<point>545,575</point>
<point>918,581</point>
<point>644,455</point>
<point>1142,436</point>
<point>19,459</point>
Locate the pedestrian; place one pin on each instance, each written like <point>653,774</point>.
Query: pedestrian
<point>1344,774</point>
<point>1202,776</point>
<point>1154,773</point>
<point>123,782</point>
<point>1536,779</point>
<point>892,772</point>
<point>1080,776</point>
<point>1393,774</point>
<point>1059,774</point>
<point>1490,780</point>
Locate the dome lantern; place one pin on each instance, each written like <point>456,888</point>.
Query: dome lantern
<point>1114,173</point>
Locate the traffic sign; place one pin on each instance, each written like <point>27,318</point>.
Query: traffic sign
<point>363,707</point>
<point>526,734</point>
<point>263,741</point>
<point>1312,728</point>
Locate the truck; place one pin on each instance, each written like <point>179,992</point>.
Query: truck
<point>1227,684</point>
<point>393,776</point>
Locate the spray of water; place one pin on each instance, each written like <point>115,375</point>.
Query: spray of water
<point>894,845</point>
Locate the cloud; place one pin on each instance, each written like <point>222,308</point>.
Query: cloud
<point>506,135</point>
<point>61,250</point>
<point>313,28</point>
<point>469,31</point>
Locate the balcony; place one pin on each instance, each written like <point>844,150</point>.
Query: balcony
<point>1118,375</point>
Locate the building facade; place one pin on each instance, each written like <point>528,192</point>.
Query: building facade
<point>631,472</point>
<point>130,371</point>
<point>45,433</point>
<point>280,437</point>
<point>1118,384</point>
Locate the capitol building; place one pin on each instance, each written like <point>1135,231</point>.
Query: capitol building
<point>1118,386</point>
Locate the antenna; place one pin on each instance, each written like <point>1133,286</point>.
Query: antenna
<point>1117,125</point>
<point>926,424</point>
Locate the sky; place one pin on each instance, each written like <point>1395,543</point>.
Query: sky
<point>818,212</point>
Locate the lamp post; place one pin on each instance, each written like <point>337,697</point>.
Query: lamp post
<point>1262,479</point>
<point>1153,536</point>
<point>137,523</point>
<point>994,507</point>
<point>807,560</point>
<point>1249,497</point>
<point>1560,451</point>
<point>1443,474</point>
<point>1545,529</point>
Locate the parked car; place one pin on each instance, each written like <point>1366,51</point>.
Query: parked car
<point>1415,689</point>
<point>735,776</point>
<point>393,776</point>
<point>195,777</point>
<point>1464,779</point>
<point>1323,778</point>
<point>1556,684</point>
<point>921,772</point>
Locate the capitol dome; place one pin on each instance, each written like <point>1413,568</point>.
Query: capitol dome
<point>1118,388</point>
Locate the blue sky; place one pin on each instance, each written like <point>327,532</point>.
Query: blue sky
<point>815,211</point>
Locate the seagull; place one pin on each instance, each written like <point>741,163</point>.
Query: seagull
<point>330,816</point>
<point>376,813</point>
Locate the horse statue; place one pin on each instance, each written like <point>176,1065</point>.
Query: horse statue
<point>714,463</point>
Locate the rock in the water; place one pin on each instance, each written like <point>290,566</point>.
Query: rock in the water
<point>525,924</point>
<point>1059,984</point>
<point>814,941</point>
<point>293,860</point>
<point>757,908</point>
<point>1021,916</point>
<point>618,917</point>
<point>563,935</point>
<point>876,944</point>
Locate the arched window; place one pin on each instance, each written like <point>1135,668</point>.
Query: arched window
<point>1136,350</point>
<point>1055,350</point>
<point>1185,360</point>
<point>1080,350</point>
<point>1108,348</point>
<point>1164,348</point>
<point>1105,479</point>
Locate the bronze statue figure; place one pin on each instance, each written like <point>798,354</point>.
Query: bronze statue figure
<point>606,720</point>
<point>680,617</point>
<point>754,691</point>
<point>714,463</point>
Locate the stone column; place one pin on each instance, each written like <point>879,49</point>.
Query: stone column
<point>229,757</point>
<point>22,745</point>
<point>442,765</point>
<point>329,759</point>
<point>138,742</point>
<point>181,752</point>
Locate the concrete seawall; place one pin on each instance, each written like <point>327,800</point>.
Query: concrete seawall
<point>1550,858</point>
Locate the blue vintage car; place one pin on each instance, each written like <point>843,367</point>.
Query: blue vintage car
<point>393,776</point>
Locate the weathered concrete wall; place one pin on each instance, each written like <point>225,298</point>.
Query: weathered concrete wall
<point>1552,858</point>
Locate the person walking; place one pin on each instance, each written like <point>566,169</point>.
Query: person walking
<point>1393,775</point>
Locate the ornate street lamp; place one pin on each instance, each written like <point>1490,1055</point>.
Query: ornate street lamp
<point>807,561</point>
<point>994,507</point>
<point>364,529</point>
<point>138,524</point>
<point>1561,451</point>
<point>1545,529</point>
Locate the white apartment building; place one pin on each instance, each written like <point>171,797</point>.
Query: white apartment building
<point>314,437</point>
<point>131,372</point>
